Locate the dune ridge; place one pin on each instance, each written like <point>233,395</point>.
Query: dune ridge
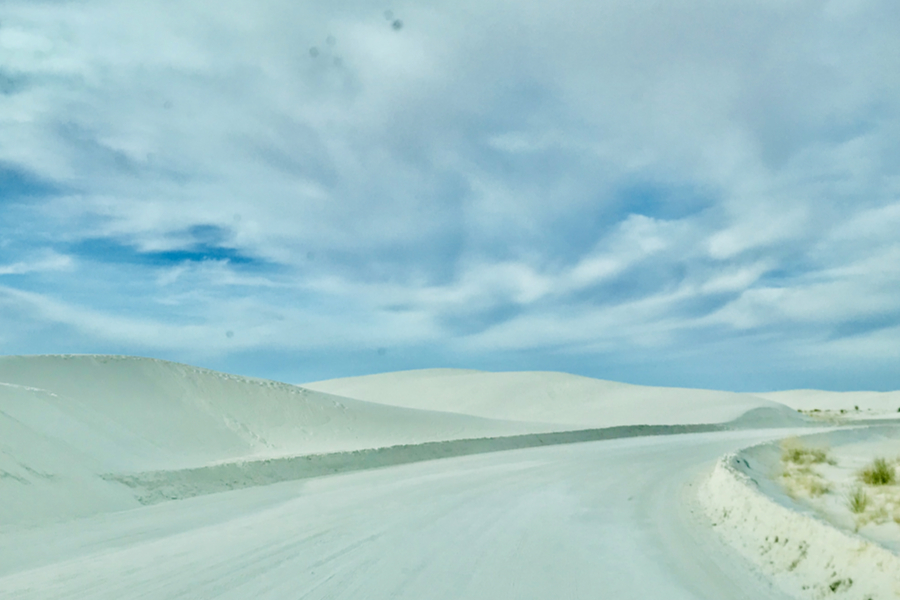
<point>545,396</point>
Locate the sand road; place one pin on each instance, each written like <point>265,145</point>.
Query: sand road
<point>609,519</point>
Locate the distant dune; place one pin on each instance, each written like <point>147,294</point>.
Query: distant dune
<point>547,397</point>
<point>856,405</point>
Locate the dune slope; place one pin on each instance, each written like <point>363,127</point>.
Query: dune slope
<point>67,422</point>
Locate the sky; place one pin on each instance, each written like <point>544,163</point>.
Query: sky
<point>687,193</point>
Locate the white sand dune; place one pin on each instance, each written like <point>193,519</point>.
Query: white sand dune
<point>92,447</point>
<point>549,397</point>
<point>66,422</point>
<point>142,413</point>
<point>847,405</point>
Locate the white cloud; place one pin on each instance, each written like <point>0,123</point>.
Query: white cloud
<point>46,261</point>
<point>760,225</point>
<point>854,292</point>
<point>489,163</point>
<point>734,280</point>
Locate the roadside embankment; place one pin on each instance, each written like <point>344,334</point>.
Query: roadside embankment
<point>804,553</point>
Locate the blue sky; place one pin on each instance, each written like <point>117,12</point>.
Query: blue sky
<point>687,193</point>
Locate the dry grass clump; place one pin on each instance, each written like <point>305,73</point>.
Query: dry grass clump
<point>880,472</point>
<point>804,482</point>
<point>858,500</point>
<point>798,475</point>
<point>874,498</point>
<point>793,451</point>
<point>805,456</point>
<point>882,496</point>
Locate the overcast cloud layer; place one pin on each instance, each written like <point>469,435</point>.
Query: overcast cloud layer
<point>689,192</point>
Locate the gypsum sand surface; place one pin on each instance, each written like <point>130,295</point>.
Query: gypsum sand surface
<point>837,484</point>
<point>125,416</point>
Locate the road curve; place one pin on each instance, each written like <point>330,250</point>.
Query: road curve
<point>610,519</point>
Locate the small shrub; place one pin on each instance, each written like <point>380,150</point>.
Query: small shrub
<point>858,500</point>
<point>840,584</point>
<point>880,472</point>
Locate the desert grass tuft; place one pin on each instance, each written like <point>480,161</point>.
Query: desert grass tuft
<point>858,500</point>
<point>793,451</point>
<point>880,472</point>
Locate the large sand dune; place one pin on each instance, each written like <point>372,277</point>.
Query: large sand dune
<point>141,413</point>
<point>69,422</point>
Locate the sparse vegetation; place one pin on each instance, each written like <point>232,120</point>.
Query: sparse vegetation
<point>858,500</point>
<point>815,485</point>
<point>805,456</point>
<point>804,481</point>
<point>880,472</point>
<point>870,491</point>
<point>798,475</point>
<point>793,451</point>
<point>876,497</point>
<point>872,495</point>
<point>840,584</point>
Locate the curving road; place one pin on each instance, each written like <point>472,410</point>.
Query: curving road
<point>610,519</point>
